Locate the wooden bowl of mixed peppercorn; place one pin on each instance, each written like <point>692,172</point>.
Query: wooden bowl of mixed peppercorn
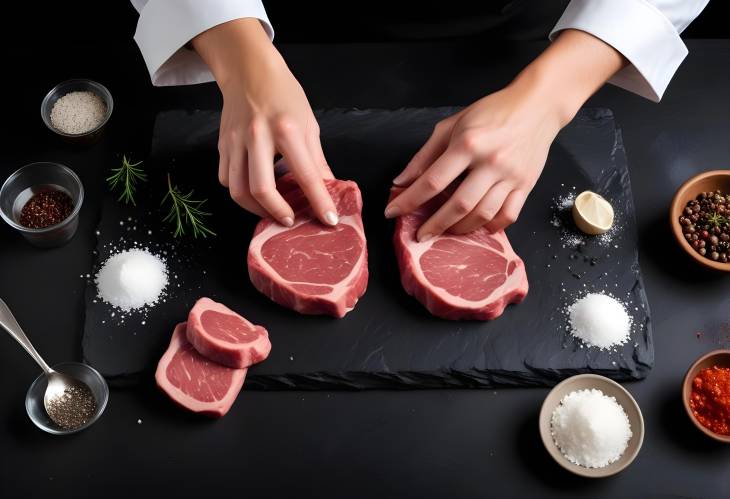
<point>700,218</point>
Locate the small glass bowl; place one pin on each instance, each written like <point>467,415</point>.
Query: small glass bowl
<point>34,398</point>
<point>77,85</point>
<point>37,177</point>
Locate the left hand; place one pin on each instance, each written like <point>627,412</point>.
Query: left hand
<point>500,144</point>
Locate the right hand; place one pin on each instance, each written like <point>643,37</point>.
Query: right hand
<point>265,112</point>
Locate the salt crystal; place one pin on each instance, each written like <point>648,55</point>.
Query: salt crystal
<point>565,202</point>
<point>132,279</point>
<point>600,320</point>
<point>590,429</point>
<point>78,112</point>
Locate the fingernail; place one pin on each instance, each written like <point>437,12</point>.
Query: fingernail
<point>392,212</point>
<point>425,237</point>
<point>288,221</point>
<point>331,217</point>
<point>399,179</point>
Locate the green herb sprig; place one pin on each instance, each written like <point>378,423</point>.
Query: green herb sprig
<point>716,219</point>
<point>185,211</point>
<point>126,177</point>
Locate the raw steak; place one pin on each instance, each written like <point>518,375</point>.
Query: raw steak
<point>470,276</point>
<point>310,267</point>
<point>222,335</point>
<point>194,382</point>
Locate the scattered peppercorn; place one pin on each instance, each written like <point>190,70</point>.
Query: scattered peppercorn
<point>705,223</point>
<point>46,208</point>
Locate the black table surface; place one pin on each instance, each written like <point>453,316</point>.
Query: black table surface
<point>429,443</point>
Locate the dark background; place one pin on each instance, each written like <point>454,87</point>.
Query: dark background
<point>442,443</point>
<point>372,21</point>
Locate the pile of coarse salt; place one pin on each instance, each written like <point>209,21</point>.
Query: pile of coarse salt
<point>590,429</point>
<point>600,321</point>
<point>78,112</point>
<point>132,279</point>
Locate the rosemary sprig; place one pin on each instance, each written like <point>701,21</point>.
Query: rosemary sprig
<point>185,211</point>
<point>127,177</point>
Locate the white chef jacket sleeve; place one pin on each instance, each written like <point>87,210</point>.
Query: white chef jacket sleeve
<point>645,32</point>
<point>166,26</point>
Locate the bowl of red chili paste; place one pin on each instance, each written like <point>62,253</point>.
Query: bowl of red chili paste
<point>706,394</point>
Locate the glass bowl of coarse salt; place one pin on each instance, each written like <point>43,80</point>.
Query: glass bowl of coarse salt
<point>77,110</point>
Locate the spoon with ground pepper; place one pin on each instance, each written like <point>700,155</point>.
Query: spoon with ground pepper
<point>68,401</point>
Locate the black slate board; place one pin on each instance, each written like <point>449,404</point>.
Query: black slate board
<point>389,340</point>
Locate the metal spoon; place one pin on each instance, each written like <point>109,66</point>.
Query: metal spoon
<point>63,393</point>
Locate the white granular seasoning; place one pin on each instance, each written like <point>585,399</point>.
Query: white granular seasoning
<point>78,112</point>
<point>132,279</point>
<point>565,202</point>
<point>590,429</point>
<point>600,321</point>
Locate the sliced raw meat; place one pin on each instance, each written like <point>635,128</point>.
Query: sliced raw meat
<point>195,382</point>
<point>222,335</point>
<point>310,267</point>
<point>470,276</point>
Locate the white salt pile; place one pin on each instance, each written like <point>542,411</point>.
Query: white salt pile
<point>600,321</point>
<point>78,112</point>
<point>590,429</point>
<point>132,279</point>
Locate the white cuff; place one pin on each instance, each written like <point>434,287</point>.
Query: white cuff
<point>640,32</point>
<point>165,26</point>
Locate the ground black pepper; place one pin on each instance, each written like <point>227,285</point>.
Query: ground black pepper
<point>46,208</point>
<point>72,409</point>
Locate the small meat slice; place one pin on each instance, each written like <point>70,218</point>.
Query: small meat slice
<point>471,276</point>
<point>310,267</point>
<point>222,335</point>
<point>194,382</point>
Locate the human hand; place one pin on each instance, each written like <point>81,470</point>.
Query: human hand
<point>500,143</point>
<point>265,112</point>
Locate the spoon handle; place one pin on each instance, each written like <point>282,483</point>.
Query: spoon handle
<point>8,322</point>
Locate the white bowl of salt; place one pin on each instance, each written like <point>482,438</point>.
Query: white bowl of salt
<point>591,426</point>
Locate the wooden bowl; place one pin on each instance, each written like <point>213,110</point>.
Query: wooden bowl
<point>707,181</point>
<point>715,358</point>
<point>610,388</point>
